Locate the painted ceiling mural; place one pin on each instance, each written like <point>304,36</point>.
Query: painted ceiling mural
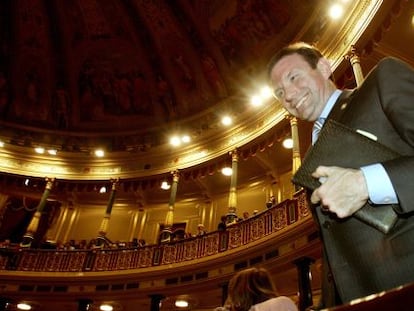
<point>129,65</point>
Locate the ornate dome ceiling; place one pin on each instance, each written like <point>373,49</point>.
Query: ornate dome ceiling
<point>124,75</point>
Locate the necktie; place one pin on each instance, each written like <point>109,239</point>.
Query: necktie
<point>317,126</point>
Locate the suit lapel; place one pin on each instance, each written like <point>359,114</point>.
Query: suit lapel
<point>341,105</point>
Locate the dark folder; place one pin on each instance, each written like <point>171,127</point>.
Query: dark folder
<point>339,145</point>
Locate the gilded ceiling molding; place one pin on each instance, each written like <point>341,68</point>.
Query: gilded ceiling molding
<point>124,165</point>
<point>208,144</point>
<point>360,22</point>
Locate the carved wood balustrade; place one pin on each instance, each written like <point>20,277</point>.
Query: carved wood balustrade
<point>235,236</point>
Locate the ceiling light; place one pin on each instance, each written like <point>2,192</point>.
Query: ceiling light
<point>288,143</point>
<point>24,306</point>
<point>256,101</point>
<point>165,185</point>
<point>336,11</point>
<point>39,150</point>
<point>1,144</point>
<point>266,92</point>
<point>226,120</point>
<point>99,153</point>
<point>185,139</point>
<point>26,182</point>
<point>102,189</point>
<point>175,141</point>
<point>52,151</point>
<point>181,303</point>
<point>227,171</point>
<point>106,307</point>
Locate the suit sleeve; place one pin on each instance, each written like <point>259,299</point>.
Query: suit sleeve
<point>396,86</point>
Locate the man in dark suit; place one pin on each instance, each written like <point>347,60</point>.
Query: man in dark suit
<point>359,259</point>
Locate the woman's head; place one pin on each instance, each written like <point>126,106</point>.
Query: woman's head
<point>249,287</point>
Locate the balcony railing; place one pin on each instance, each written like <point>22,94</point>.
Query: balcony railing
<point>235,236</point>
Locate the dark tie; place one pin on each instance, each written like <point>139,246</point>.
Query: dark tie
<point>317,126</point>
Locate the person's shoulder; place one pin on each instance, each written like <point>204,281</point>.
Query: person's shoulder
<point>386,67</point>
<point>281,303</point>
<point>389,65</point>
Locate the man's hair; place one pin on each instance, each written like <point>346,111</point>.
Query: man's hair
<point>309,53</point>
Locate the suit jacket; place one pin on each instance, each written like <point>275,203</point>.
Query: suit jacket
<point>363,260</point>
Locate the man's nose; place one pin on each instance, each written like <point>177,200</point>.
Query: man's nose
<point>290,93</point>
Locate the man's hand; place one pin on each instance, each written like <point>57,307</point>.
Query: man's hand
<point>343,190</point>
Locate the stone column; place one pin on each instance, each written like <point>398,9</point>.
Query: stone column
<point>232,205</point>
<point>4,303</point>
<point>144,214</point>
<point>105,221</point>
<point>169,219</point>
<point>304,279</point>
<point>156,301</point>
<point>28,238</point>
<point>296,161</point>
<point>353,58</point>
<point>224,292</point>
<point>84,304</point>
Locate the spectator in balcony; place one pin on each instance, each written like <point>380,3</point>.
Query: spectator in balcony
<point>201,230</point>
<point>83,244</point>
<point>246,215</point>
<point>271,202</point>
<point>253,290</point>
<point>222,226</point>
<point>134,243</point>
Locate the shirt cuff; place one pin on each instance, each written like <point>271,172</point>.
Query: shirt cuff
<point>380,188</point>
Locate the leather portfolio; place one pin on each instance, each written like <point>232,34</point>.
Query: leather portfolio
<point>339,145</point>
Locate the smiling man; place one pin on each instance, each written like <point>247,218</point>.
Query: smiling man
<point>359,259</point>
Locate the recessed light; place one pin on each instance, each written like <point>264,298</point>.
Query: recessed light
<point>175,141</point>
<point>185,139</point>
<point>288,143</point>
<point>99,153</point>
<point>165,185</point>
<point>227,171</point>
<point>40,150</point>
<point>181,303</point>
<point>106,307</point>
<point>226,120</point>
<point>24,306</point>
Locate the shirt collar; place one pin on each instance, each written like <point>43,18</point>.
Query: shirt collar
<point>331,102</point>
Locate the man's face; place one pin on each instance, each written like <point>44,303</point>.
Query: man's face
<point>302,90</point>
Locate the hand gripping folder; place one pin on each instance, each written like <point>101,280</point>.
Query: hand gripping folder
<point>339,145</point>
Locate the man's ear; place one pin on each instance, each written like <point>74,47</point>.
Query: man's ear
<point>324,67</point>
